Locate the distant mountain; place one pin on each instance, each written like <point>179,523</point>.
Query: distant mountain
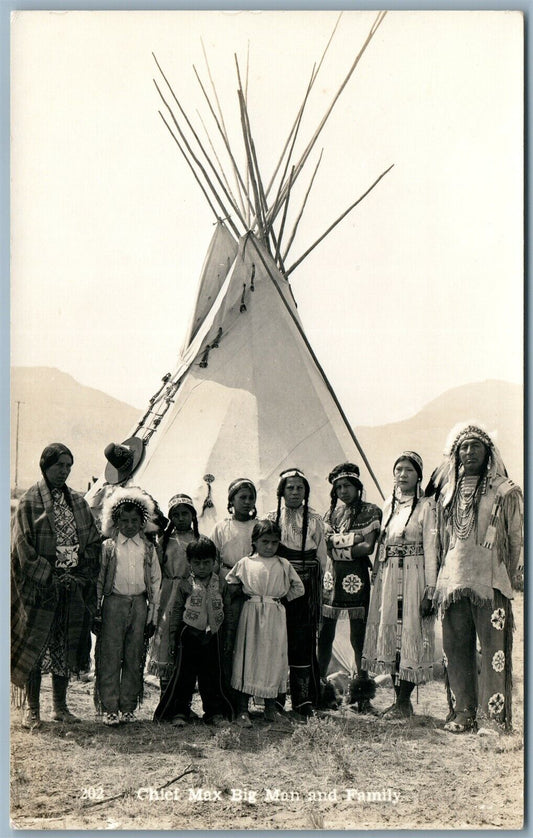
<point>55,407</point>
<point>498,405</point>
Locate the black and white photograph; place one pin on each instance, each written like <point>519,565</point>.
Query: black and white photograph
<point>267,424</point>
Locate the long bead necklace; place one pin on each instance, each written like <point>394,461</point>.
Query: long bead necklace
<point>464,507</point>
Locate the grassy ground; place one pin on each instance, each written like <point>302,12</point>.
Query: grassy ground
<point>340,771</point>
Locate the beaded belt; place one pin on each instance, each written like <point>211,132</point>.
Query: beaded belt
<point>402,550</point>
<point>257,598</point>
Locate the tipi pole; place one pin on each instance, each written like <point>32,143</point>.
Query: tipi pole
<point>200,184</point>
<point>222,172</point>
<point>258,206</point>
<point>195,135</point>
<point>213,190</point>
<point>292,132</point>
<point>297,121</point>
<point>224,130</point>
<point>224,138</point>
<point>321,371</point>
<point>283,219</point>
<point>305,155</point>
<point>339,219</point>
<point>298,219</point>
<point>262,196</point>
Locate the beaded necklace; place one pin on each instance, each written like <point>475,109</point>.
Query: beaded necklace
<point>464,508</point>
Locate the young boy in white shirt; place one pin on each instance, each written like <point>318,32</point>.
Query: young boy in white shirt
<point>128,591</point>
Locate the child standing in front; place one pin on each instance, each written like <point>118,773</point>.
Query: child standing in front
<point>182,529</point>
<point>127,596</point>
<point>202,600</point>
<point>260,661</point>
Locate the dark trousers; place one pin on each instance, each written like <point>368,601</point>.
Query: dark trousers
<point>487,695</point>
<point>198,659</point>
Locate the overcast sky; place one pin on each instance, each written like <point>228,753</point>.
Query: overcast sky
<point>417,291</point>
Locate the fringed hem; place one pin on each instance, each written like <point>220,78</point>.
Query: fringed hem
<point>161,670</point>
<point>378,667</point>
<point>18,697</point>
<point>508,651</point>
<point>355,613</point>
<point>416,676</point>
<point>464,593</point>
<point>259,690</point>
<point>451,711</point>
<point>98,706</point>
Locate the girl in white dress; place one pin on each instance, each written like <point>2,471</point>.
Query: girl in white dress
<point>260,661</point>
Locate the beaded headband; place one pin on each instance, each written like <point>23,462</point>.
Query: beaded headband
<point>471,431</point>
<point>178,500</point>
<point>292,472</point>
<point>234,487</point>
<point>415,458</point>
<point>143,508</point>
<point>117,498</point>
<point>353,474</point>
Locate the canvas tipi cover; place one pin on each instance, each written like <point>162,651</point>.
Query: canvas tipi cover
<point>246,399</point>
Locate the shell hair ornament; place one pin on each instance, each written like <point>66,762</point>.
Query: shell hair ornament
<point>121,496</point>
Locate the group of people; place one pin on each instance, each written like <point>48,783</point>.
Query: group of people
<point>252,610</point>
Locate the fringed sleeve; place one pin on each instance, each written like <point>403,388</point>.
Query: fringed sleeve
<point>176,615</point>
<point>510,533</point>
<point>321,547</point>
<point>429,541</point>
<point>154,593</point>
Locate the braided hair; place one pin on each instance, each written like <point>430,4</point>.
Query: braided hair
<point>280,492</point>
<point>417,465</point>
<point>353,509</point>
<point>234,487</point>
<point>480,485</point>
<point>170,528</point>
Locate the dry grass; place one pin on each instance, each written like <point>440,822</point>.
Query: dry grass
<point>297,777</point>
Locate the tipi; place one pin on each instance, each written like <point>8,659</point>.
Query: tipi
<point>248,396</point>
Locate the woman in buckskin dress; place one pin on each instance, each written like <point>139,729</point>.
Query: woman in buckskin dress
<point>399,635</point>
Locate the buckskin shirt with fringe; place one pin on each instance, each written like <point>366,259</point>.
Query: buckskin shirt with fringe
<point>473,591</point>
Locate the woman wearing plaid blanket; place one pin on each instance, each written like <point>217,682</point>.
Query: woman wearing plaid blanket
<point>54,564</point>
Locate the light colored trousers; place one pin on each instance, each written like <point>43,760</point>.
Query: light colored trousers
<point>121,652</point>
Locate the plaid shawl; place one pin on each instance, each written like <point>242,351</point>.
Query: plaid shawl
<point>35,595</point>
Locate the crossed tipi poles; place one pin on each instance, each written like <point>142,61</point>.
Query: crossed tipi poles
<point>250,251</point>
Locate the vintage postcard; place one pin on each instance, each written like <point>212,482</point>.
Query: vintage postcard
<point>267,420</point>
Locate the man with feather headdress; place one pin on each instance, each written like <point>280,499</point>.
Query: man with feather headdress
<point>481,524</point>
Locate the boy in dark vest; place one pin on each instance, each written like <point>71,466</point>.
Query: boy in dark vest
<point>200,626</point>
